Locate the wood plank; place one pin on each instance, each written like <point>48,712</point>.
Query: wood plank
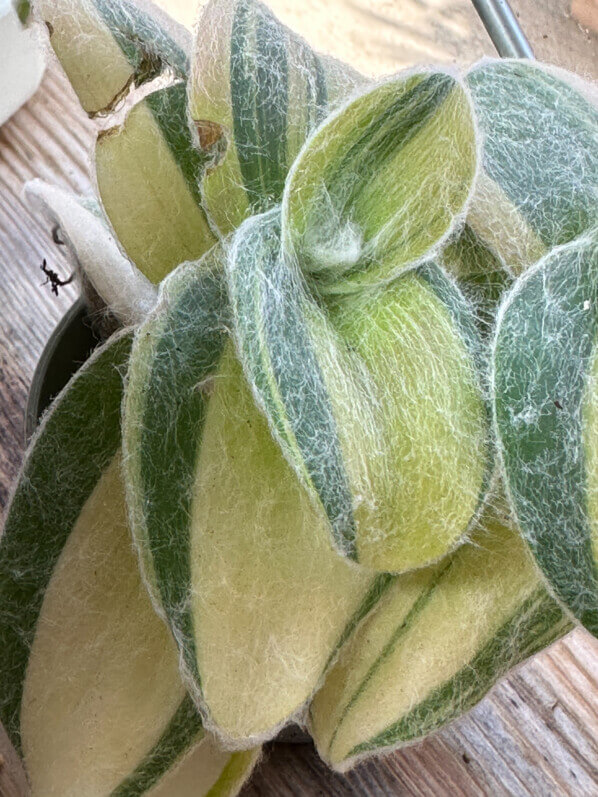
<point>534,735</point>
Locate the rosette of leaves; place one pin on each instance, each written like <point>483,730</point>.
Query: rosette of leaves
<point>314,369</point>
<point>360,350</point>
<point>307,437</point>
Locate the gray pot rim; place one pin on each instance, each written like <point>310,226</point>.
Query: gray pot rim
<point>70,344</point>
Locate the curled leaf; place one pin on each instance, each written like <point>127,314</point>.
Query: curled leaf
<point>376,400</point>
<point>382,183</point>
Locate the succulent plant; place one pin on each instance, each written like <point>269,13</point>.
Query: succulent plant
<point>353,390</point>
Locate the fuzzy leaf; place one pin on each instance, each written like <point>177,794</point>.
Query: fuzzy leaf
<point>148,174</point>
<point>437,641</point>
<point>480,273</point>
<point>376,402</point>
<point>83,653</point>
<point>105,46</point>
<point>539,182</point>
<point>124,289</point>
<point>380,185</point>
<point>275,330</point>
<point>545,401</point>
<point>237,557</point>
<point>256,91</point>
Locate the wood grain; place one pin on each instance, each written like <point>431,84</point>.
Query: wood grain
<point>536,734</point>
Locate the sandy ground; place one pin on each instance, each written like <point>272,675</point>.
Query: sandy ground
<point>382,36</point>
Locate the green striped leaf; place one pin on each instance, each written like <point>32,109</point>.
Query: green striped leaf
<point>275,331</point>
<point>83,653</point>
<point>380,185</point>
<point>481,275</point>
<point>164,421</point>
<point>237,557</point>
<point>105,46</point>
<point>376,403</point>
<point>256,91</point>
<point>539,179</point>
<point>148,174</point>
<point>50,465</point>
<point>545,400</point>
<point>437,641</point>
<point>205,771</point>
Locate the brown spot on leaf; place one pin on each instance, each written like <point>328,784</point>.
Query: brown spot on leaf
<point>209,133</point>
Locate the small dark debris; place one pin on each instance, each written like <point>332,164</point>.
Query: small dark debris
<point>56,235</point>
<point>558,404</point>
<point>466,758</point>
<point>544,35</point>
<point>54,279</point>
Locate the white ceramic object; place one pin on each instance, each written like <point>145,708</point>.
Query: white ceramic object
<point>21,62</point>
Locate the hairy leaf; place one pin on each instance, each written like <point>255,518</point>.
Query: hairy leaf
<point>545,399</point>
<point>238,559</point>
<point>83,653</point>
<point>376,401</point>
<point>539,182</point>
<point>105,46</point>
<point>148,174</point>
<point>256,91</point>
<point>437,641</point>
<point>382,182</point>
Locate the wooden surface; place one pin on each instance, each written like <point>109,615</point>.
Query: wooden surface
<point>586,13</point>
<point>535,734</point>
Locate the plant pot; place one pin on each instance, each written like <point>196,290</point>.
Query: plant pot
<point>69,345</point>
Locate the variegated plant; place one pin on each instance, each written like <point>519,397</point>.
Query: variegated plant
<point>327,461</point>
